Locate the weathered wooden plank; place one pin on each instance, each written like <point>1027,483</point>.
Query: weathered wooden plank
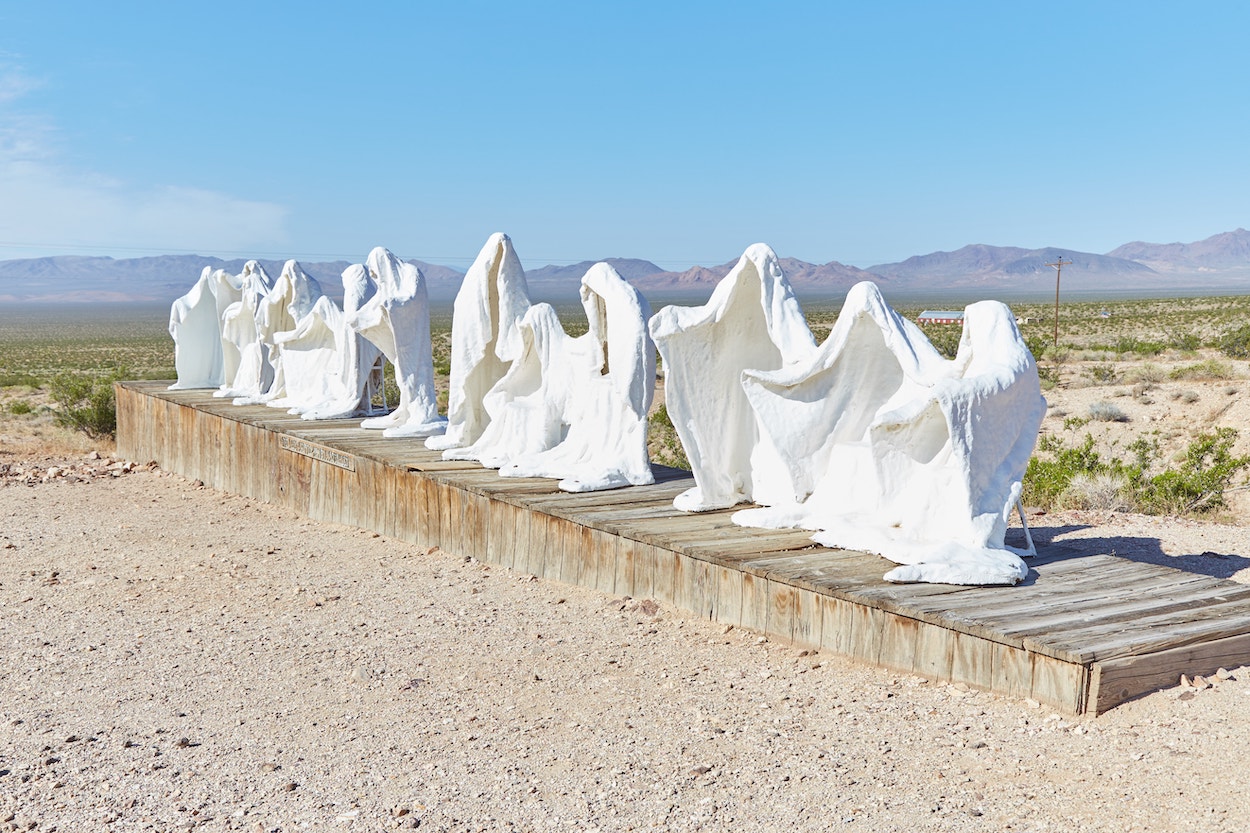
<point>1117,680</point>
<point>1151,634</point>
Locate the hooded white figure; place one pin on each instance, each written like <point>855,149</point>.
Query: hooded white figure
<point>526,407</point>
<point>291,299</point>
<point>492,300</point>
<point>228,290</point>
<point>329,366</point>
<point>195,328</point>
<point>892,449</point>
<point>752,322</point>
<point>240,334</point>
<point>604,411</point>
<point>397,321</point>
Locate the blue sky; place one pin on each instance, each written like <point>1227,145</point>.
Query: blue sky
<point>677,131</point>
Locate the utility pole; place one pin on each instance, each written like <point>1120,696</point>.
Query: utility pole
<point>1058,267</point>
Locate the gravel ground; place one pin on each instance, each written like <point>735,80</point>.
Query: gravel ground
<point>178,658</point>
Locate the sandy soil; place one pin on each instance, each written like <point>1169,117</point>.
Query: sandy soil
<point>178,658</point>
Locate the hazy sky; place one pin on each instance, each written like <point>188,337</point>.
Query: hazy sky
<point>675,131</point>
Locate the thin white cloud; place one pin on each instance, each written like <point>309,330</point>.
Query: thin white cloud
<point>47,207</point>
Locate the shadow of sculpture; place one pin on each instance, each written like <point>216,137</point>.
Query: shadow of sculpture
<point>1053,547</point>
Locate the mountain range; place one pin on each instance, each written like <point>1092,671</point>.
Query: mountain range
<point>1220,262</point>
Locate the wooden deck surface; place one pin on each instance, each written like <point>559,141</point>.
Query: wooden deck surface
<point>1081,633</point>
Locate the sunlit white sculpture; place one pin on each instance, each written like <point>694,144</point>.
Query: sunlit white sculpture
<point>525,408</point>
<point>247,371</point>
<point>889,448</point>
<point>752,322</point>
<point>195,326</point>
<point>397,321</point>
<point>492,300</point>
<point>604,396</point>
<point>292,297</point>
<point>329,368</point>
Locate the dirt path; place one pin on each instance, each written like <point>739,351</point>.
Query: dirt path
<point>178,658</point>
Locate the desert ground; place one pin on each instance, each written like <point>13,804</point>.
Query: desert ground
<point>180,658</point>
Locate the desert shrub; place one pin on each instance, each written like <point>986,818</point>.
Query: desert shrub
<point>20,407</point>
<point>1235,342</point>
<point>1204,371</point>
<point>663,443</point>
<point>1101,491</point>
<point>1072,475</point>
<point>1184,342</point>
<point>1131,344</point>
<point>1147,374</point>
<point>1102,374</point>
<point>1073,422</point>
<point>1049,477</point>
<point>945,337</point>
<point>86,402</point>
<point>1106,412</point>
<point>1189,397</point>
<point>12,380</point>
<point>1206,470</point>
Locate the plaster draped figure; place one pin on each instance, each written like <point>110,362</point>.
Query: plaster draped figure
<point>607,396</point>
<point>889,448</point>
<point>228,290</point>
<point>329,366</point>
<point>397,321</point>
<point>195,328</point>
<point>485,338</point>
<point>526,406</point>
<point>240,334</point>
<point>752,322</point>
<point>290,299</point>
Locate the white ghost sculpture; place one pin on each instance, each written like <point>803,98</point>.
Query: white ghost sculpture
<point>891,449</point>
<point>195,328</point>
<point>752,322</point>
<point>492,300</point>
<point>228,290</point>
<point>397,320</point>
<point>526,407</point>
<point>329,366</point>
<point>240,334</point>
<point>291,299</point>
<point>606,396</point>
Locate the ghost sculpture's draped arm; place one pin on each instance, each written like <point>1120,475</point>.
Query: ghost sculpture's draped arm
<point>292,298</point>
<point>196,330</point>
<point>608,394</point>
<point>240,330</point>
<point>485,338</point>
<point>752,321</point>
<point>397,321</point>
<point>891,449</point>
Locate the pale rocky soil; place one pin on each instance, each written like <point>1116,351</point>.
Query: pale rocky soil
<point>178,658</point>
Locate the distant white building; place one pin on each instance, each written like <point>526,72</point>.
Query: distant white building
<point>940,316</point>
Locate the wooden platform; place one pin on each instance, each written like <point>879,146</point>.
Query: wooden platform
<point>1082,633</point>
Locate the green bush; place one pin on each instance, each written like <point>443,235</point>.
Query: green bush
<point>20,407</point>
<point>1204,371</point>
<point>1197,485</point>
<point>663,443</point>
<point>1235,343</point>
<point>86,403</point>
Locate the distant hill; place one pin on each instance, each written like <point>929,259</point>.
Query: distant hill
<point>1226,254</point>
<point>1008,267</point>
<point>816,279</point>
<point>104,279</point>
<point>1221,262</point>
